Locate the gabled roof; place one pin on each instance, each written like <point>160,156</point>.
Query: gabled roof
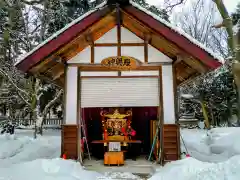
<point>177,30</point>
<point>161,27</point>
<point>58,38</point>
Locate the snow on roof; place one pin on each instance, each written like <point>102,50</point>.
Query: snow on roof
<point>176,29</point>
<point>179,31</point>
<point>23,56</point>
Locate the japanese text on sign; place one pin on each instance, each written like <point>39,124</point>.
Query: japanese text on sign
<point>121,62</point>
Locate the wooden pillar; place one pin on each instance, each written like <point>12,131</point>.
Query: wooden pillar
<point>161,115</point>
<point>79,116</point>
<point>168,95</point>
<point>170,132</point>
<point>70,128</point>
<point>177,104</point>
<point>175,93</point>
<point>64,95</point>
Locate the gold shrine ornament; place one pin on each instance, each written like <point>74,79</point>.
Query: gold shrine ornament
<point>120,63</point>
<point>116,114</point>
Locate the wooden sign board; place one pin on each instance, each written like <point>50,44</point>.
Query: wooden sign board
<point>120,63</point>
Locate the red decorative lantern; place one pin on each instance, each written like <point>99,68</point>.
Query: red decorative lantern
<point>133,133</point>
<point>105,134</point>
<point>188,155</point>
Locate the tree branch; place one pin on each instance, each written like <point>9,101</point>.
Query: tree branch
<point>227,23</point>
<point>58,94</point>
<point>23,99</point>
<point>170,7</point>
<point>218,25</point>
<point>33,2</point>
<point>14,85</point>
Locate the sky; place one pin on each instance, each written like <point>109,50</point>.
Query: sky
<point>230,4</point>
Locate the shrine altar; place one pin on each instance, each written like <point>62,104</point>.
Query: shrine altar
<point>117,137</point>
<point>107,141</point>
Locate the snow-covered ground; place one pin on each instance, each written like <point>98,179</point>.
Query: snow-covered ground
<point>216,145</point>
<point>214,156</point>
<point>21,147</point>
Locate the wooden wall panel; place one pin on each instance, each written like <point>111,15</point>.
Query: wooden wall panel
<point>171,143</point>
<point>70,141</point>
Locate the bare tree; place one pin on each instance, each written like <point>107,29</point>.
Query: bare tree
<point>233,44</point>
<point>25,27</point>
<point>197,19</point>
<point>32,97</point>
<point>170,5</point>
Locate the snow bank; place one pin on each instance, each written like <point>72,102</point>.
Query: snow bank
<point>58,169</point>
<point>192,169</point>
<point>20,153</point>
<point>219,132</point>
<point>225,140</point>
<point>214,155</point>
<point>48,170</point>
<point>216,145</point>
<point>22,157</point>
<point>17,149</point>
<point>45,126</point>
<point>10,145</point>
<point>195,140</point>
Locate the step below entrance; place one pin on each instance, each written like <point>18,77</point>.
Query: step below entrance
<point>141,167</point>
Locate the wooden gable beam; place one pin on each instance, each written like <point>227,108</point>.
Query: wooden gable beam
<point>178,59</point>
<point>72,48</point>
<point>192,63</point>
<point>181,41</point>
<point>116,44</point>
<point>147,38</point>
<point>57,75</point>
<point>119,22</point>
<point>189,79</point>
<point>62,39</point>
<point>140,30</point>
<point>54,70</point>
<point>58,83</point>
<point>90,41</point>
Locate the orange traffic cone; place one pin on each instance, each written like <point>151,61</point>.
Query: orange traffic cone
<point>64,156</point>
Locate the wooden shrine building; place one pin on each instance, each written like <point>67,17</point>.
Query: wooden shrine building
<point>119,65</point>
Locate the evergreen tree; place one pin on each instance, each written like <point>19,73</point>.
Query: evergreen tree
<point>159,12</point>
<point>217,90</point>
<point>64,12</point>
<point>236,15</point>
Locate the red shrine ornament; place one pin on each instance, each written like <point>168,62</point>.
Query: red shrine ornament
<point>124,131</point>
<point>64,156</point>
<point>133,133</point>
<point>105,134</point>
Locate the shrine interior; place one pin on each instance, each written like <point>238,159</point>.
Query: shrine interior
<point>142,120</point>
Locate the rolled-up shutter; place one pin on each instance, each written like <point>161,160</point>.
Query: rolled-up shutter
<point>119,92</point>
